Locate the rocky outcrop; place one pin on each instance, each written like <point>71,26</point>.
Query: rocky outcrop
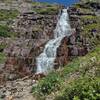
<point>35,26</point>
<point>81,41</point>
<point>18,89</point>
<point>20,5</point>
<point>62,54</point>
<point>32,30</point>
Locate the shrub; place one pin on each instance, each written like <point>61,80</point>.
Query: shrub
<point>47,10</point>
<point>48,84</point>
<point>85,88</point>
<point>2,58</point>
<point>8,14</point>
<point>5,31</point>
<point>2,46</point>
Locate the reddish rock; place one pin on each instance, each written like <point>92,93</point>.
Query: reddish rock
<point>62,54</point>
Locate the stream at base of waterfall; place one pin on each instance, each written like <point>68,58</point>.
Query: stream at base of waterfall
<point>45,61</point>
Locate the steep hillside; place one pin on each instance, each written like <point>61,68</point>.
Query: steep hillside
<point>80,79</point>
<point>71,81</point>
<point>25,28</point>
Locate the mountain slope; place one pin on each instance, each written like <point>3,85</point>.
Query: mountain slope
<point>80,79</point>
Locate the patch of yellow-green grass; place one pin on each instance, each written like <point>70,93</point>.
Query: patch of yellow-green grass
<point>42,4</point>
<point>6,1</point>
<point>84,88</point>
<point>91,26</point>
<point>48,10</point>
<point>37,28</point>
<point>2,57</point>
<point>5,31</point>
<point>90,17</point>
<point>87,31</point>
<point>8,14</point>
<point>85,1</point>
<point>45,8</point>
<point>2,46</point>
<point>87,28</point>
<point>77,5</point>
<point>86,10</point>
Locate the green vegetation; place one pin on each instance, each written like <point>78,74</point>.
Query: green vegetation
<point>2,46</point>
<point>51,83</point>
<point>42,4</point>
<point>62,82</point>
<point>6,0</point>
<point>5,31</point>
<point>97,1</point>
<point>2,58</point>
<point>91,28</point>
<point>46,8</point>
<point>49,10</point>
<point>85,88</point>
<point>88,28</point>
<point>90,17</point>
<point>8,14</point>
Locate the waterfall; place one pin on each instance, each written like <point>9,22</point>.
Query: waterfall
<point>45,61</point>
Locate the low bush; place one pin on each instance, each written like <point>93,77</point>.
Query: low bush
<point>5,31</point>
<point>85,88</point>
<point>8,14</point>
<point>2,46</point>
<point>47,85</point>
<point>2,58</point>
<point>47,10</point>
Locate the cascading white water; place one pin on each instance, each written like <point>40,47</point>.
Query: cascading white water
<point>45,61</point>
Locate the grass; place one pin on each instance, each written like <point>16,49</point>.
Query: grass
<point>91,23</point>
<point>8,14</point>
<point>2,55</point>
<point>88,28</point>
<point>2,46</point>
<point>48,10</point>
<point>87,33</point>
<point>91,1</point>
<point>6,0</point>
<point>2,58</point>
<point>45,8</point>
<point>90,17</point>
<point>42,4</point>
<point>85,88</point>
<point>81,65</point>
<point>5,31</point>
<point>92,26</point>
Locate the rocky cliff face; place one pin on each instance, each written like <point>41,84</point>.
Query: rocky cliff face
<point>35,27</point>
<point>32,29</point>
